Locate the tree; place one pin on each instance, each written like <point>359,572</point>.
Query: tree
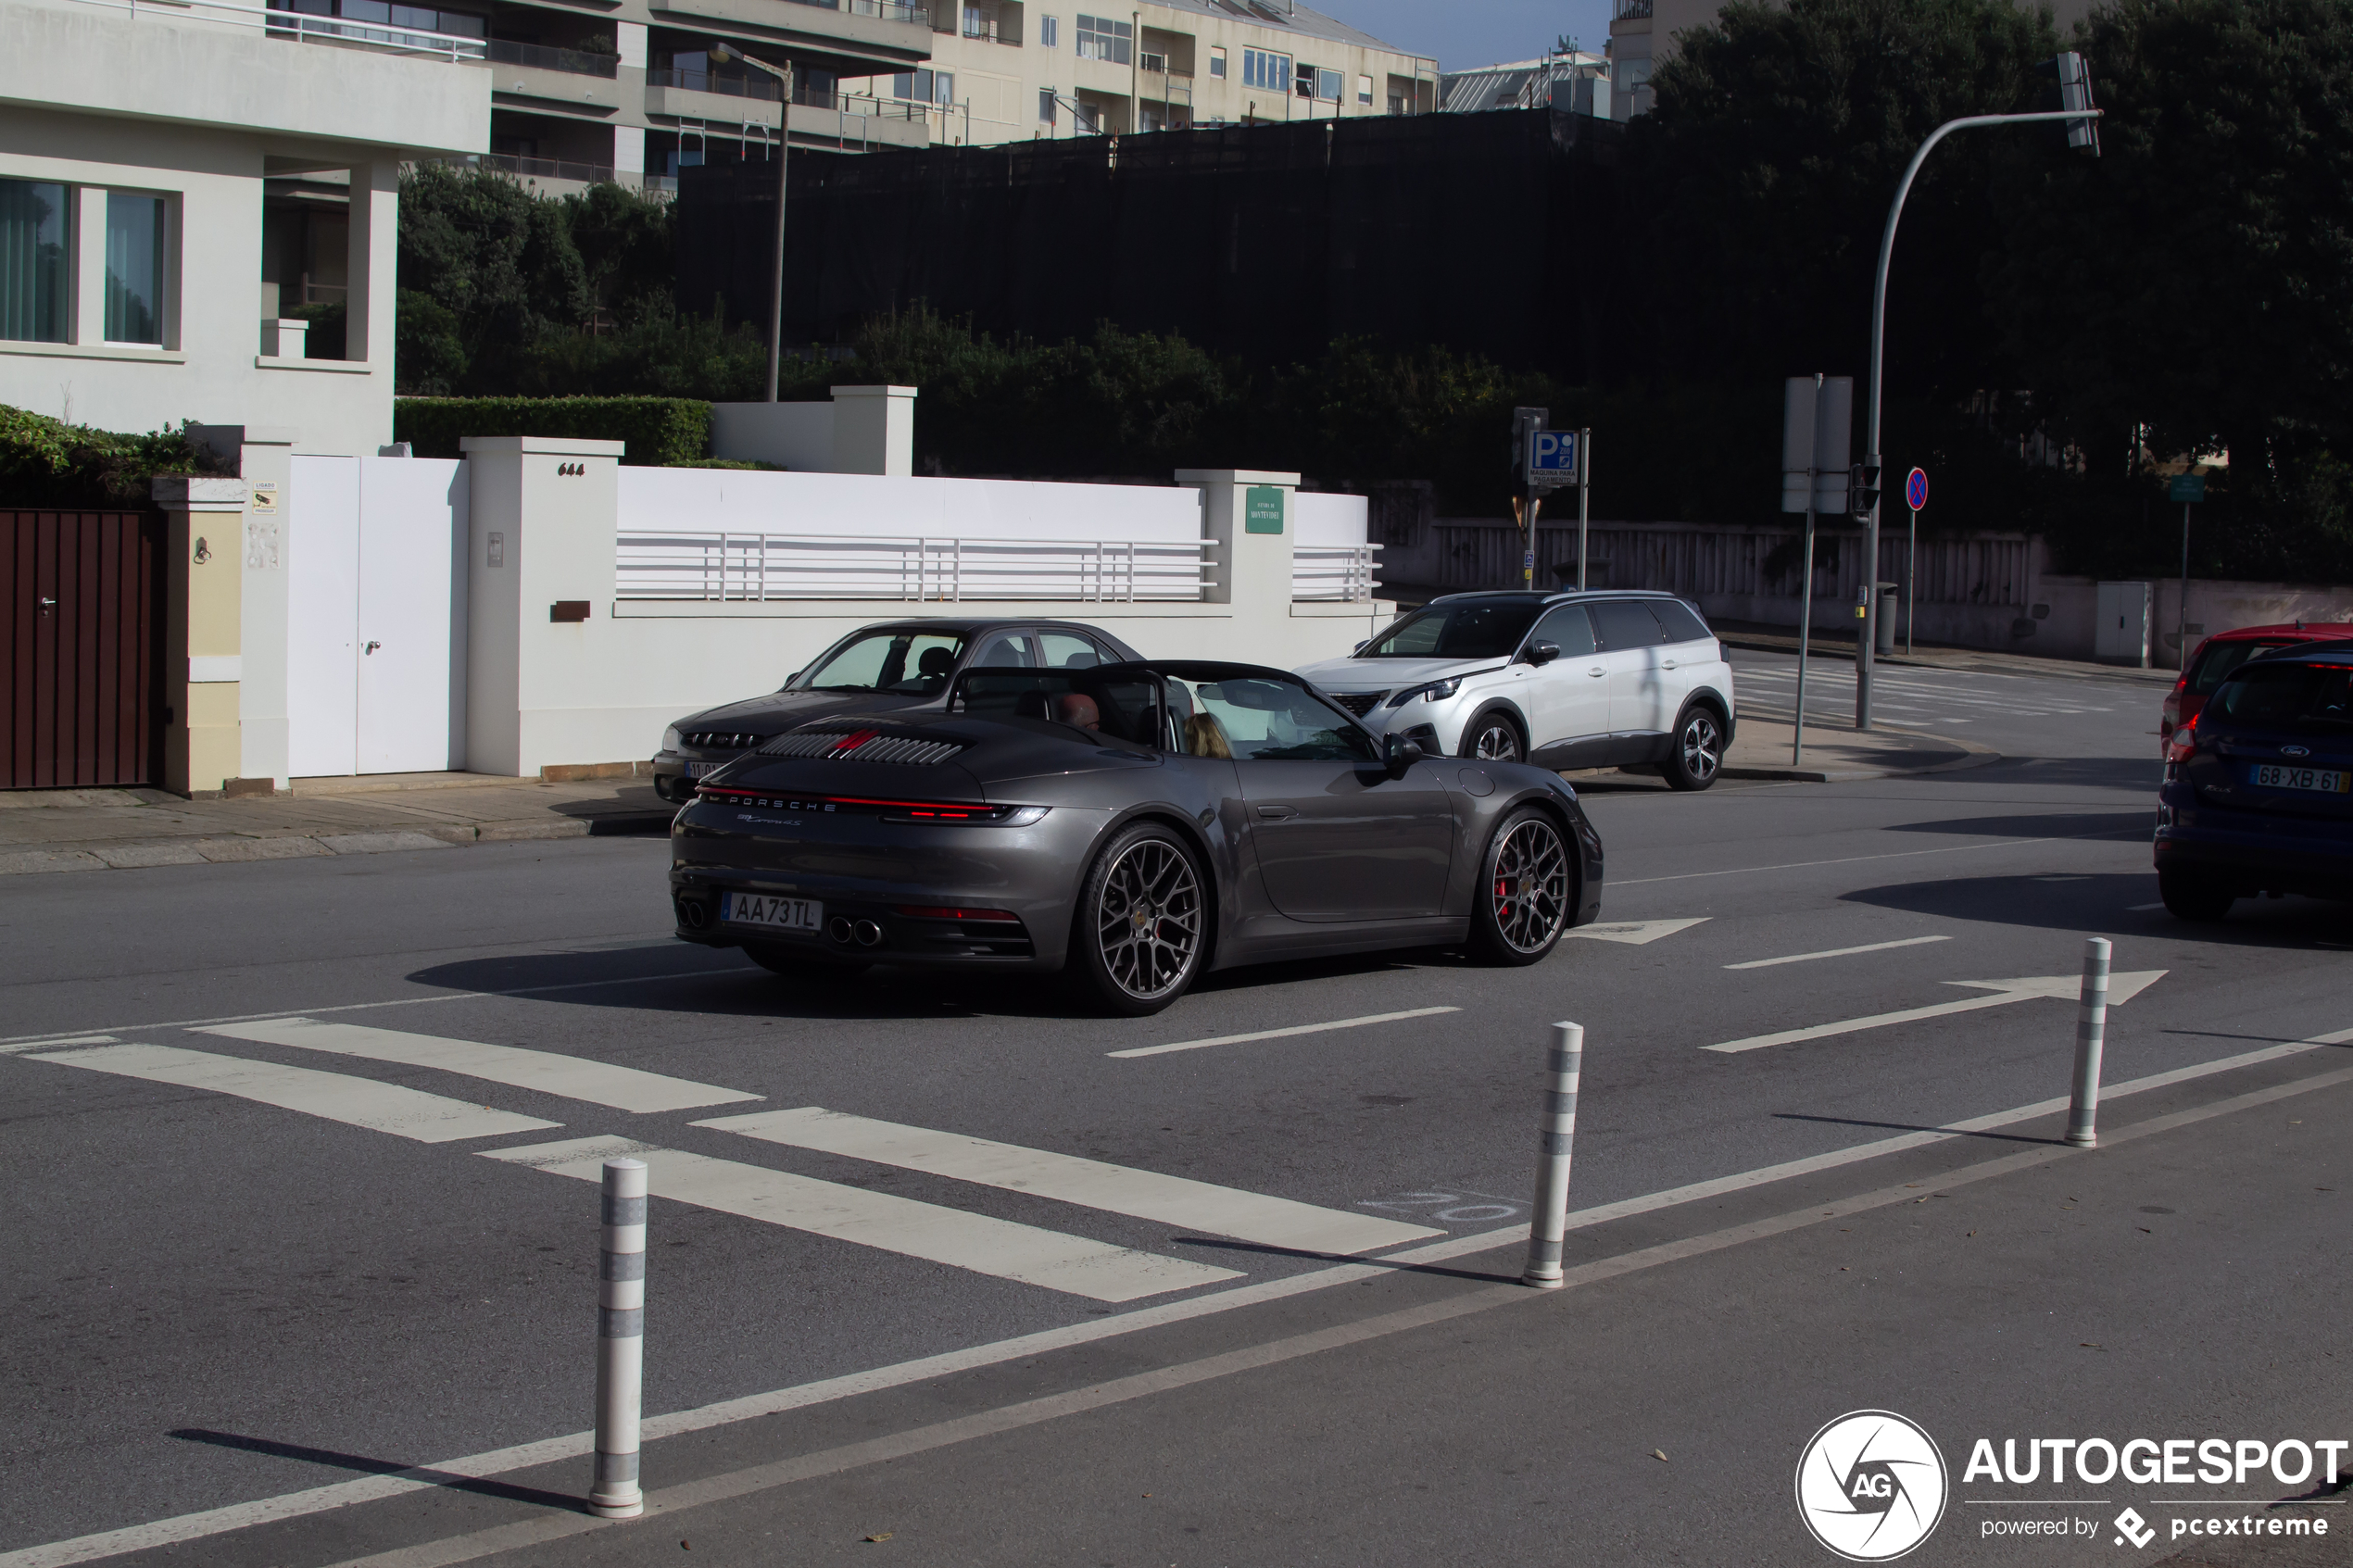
<point>2191,291</point>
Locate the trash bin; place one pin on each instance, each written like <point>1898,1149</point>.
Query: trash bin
<point>1886,617</point>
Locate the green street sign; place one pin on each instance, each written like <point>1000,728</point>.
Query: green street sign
<point>2187,488</point>
<point>1262,509</point>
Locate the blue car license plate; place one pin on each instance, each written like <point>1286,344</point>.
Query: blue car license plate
<point>2328,781</point>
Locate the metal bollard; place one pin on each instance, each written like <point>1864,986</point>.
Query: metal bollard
<point>1549,1224</point>
<point>2090,1037</point>
<point>620,1343</point>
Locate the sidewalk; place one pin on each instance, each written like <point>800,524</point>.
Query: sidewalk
<point>1767,639</point>
<point>89,830</point>
<point>1760,750</point>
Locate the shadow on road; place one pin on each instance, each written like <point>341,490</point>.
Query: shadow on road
<point>2042,825</point>
<point>366,1466</point>
<point>723,983</point>
<point>2109,903</point>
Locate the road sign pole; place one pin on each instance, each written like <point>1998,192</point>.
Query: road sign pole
<point>1584,489</point>
<point>2182,610</point>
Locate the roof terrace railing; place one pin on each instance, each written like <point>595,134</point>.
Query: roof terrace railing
<point>302,27</point>
<point>539,56</point>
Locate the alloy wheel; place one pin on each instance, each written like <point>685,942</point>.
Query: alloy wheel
<point>1530,886</point>
<point>1147,919</point>
<point>1497,742</point>
<point>1703,747</point>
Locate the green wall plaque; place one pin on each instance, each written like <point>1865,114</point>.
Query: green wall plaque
<point>1262,509</point>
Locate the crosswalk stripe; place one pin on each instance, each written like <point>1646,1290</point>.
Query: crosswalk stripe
<point>911,1229</point>
<point>1069,1178</point>
<point>575,1077</point>
<point>358,1102</point>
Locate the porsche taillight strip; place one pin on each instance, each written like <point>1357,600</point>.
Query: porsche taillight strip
<point>918,811</point>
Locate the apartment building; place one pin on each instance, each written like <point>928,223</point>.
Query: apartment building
<point>1018,71</point>
<point>160,171</point>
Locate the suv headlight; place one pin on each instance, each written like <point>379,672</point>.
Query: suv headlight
<point>1436,691</point>
<point>672,740</point>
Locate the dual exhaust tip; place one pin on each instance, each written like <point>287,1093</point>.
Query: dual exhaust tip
<point>695,916</point>
<point>865,933</point>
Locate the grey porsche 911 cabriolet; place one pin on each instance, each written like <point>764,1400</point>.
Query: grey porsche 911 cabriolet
<point>1130,824</point>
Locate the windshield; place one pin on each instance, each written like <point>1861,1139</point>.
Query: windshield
<point>2224,658</point>
<point>1259,719</point>
<point>907,662</point>
<point>2288,697</point>
<point>1461,631</point>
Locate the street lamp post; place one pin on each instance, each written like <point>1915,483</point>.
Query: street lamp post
<point>784,185</point>
<point>2075,92</point>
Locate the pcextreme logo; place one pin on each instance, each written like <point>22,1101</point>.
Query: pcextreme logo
<point>1871,1485</point>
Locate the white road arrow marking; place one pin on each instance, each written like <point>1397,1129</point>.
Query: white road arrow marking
<point>1635,933</point>
<point>2122,988</point>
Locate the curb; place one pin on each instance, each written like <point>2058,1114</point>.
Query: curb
<point>296,846</point>
<point>1972,756</point>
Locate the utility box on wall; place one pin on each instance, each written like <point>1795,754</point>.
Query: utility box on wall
<point>2120,633</point>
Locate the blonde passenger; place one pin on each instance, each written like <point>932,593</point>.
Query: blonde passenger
<point>1204,736</point>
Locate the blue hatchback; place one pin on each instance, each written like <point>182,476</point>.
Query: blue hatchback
<point>2258,789</point>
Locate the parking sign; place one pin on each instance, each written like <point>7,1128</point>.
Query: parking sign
<point>1552,454</point>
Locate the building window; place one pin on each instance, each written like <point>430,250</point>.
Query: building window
<point>34,252</point>
<point>1217,61</point>
<point>1050,33</point>
<point>1048,109</point>
<point>134,268</point>
<point>1364,90</point>
<point>1099,38</point>
<point>1264,69</point>
<point>925,86</point>
<point>1327,86</point>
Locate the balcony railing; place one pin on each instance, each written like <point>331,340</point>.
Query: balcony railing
<point>655,185</point>
<point>755,568</point>
<point>1333,571</point>
<point>889,10</point>
<point>302,27</point>
<point>575,62</point>
<point>1632,9</point>
<point>765,88</point>
<point>989,31</point>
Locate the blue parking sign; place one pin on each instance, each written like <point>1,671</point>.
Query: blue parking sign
<point>1552,452</point>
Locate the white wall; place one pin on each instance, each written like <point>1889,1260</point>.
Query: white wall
<point>1331,520</point>
<point>732,500</point>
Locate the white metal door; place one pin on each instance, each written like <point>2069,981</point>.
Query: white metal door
<point>322,608</point>
<point>410,675</point>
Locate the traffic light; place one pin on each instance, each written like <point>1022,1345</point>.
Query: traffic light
<point>1863,488</point>
<point>2075,97</point>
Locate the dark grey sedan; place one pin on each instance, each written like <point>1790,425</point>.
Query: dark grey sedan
<point>882,669</point>
<point>1132,826</point>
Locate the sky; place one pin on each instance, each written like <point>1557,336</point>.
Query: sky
<point>1463,33</point>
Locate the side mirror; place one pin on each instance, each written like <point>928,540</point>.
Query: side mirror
<point>1400,753</point>
<point>1360,647</point>
<point>1542,653</point>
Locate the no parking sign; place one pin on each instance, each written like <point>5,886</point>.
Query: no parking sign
<point>1915,489</point>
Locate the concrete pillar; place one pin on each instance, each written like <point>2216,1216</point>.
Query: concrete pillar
<point>89,249</point>
<point>371,266</point>
<point>1248,514</point>
<point>874,429</point>
<point>540,579</point>
<point>202,634</point>
<point>263,457</point>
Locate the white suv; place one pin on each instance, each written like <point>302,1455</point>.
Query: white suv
<point>1564,681</point>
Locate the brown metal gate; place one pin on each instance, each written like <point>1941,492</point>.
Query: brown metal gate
<point>81,622</point>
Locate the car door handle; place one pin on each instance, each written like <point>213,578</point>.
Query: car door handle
<point>1276,814</point>
<point>1666,664</point>
<point>1597,672</point>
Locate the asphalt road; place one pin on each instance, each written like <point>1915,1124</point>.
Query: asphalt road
<point>224,1301</point>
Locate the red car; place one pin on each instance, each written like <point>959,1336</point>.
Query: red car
<point>2225,651</point>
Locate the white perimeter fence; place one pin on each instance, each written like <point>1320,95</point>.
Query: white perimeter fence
<point>756,567</point>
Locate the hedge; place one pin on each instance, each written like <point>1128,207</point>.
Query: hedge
<point>45,462</point>
<point>659,431</point>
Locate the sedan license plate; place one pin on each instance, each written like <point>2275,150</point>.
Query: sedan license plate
<point>696,770</point>
<point>2329,781</point>
<point>784,914</point>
